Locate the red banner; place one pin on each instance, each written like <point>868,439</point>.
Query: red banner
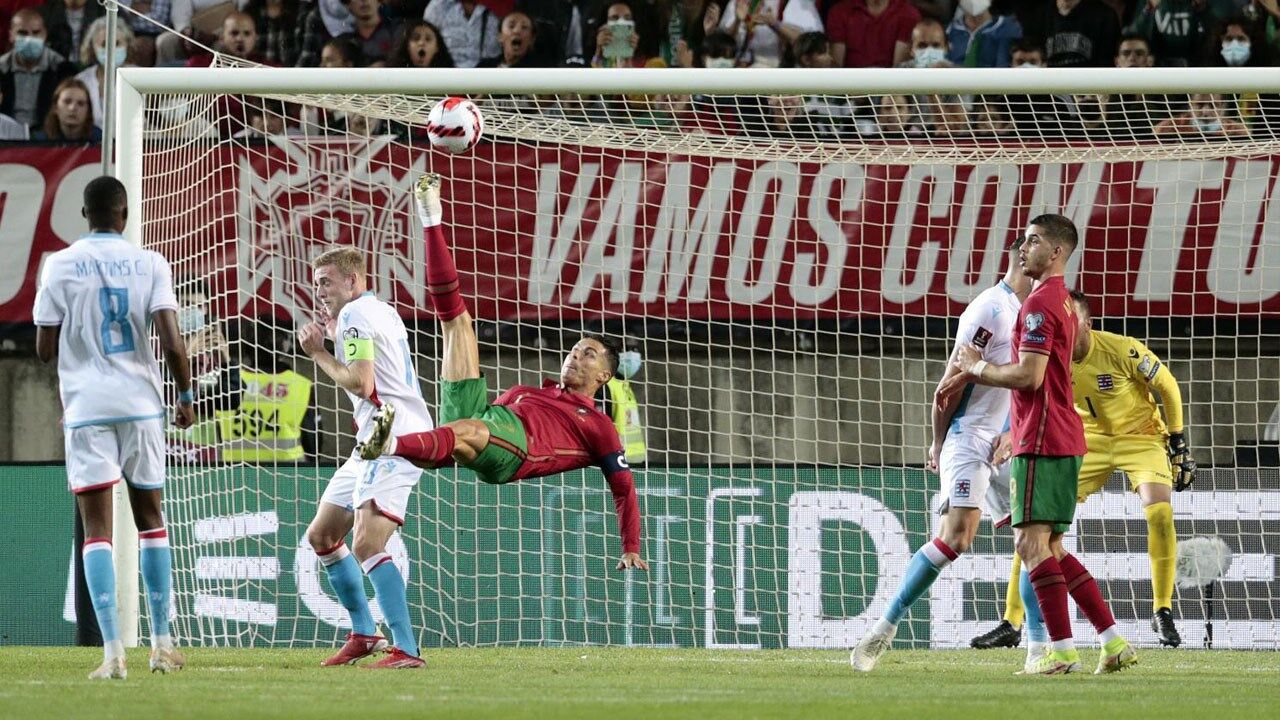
<point>561,234</point>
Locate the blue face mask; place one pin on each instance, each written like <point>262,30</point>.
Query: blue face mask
<point>1207,126</point>
<point>29,47</point>
<point>628,364</point>
<point>1235,52</point>
<point>930,56</point>
<point>191,319</point>
<point>117,61</point>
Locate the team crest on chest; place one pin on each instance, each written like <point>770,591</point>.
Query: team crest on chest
<point>1105,382</point>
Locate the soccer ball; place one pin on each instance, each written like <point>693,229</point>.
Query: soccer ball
<point>455,125</point>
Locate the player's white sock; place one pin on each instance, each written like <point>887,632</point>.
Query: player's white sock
<point>1064,645</point>
<point>1036,649</point>
<point>162,642</point>
<point>113,649</point>
<point>1109,634</point>
<point>884,627</point>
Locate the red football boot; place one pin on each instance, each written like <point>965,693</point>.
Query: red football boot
<point>356,648</point>
<point>397,659</point>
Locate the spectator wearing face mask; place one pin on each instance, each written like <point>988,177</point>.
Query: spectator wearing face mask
<point>1174,28</point>
<point>979,38</point>
<point>93,56</point>
<point>938,114</point>
<point>31,71</point>
<point>1242,43</point>
<point>1208,119</point>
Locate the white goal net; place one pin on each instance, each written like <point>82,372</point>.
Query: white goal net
<point>789,266</point>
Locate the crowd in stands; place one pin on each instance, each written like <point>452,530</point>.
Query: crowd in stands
<point>51,58</point>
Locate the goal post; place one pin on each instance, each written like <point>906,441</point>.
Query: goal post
<point>792,295</point>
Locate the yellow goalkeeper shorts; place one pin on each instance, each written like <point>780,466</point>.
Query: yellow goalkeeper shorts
<point>1142,458</point>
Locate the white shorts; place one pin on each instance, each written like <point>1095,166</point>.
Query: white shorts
<point>969,478</point>
<point>386,482</point>
<point>98,456</point>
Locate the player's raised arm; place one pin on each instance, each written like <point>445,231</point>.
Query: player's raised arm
<point>356,376</point>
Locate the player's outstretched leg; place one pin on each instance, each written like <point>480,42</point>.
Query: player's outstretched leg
<point>923,569</point>
<point>442,273</point>
<point>1008,634</point>
<point>157,573</point>
<point>100,576</point>
<point>1117,653</point>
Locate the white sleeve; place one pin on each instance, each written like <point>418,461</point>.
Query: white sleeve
<point>434,12</point>
<point>728,15</point>
<point>180,12</point>
<point>354,325</point>
<point>492,48</point>
<point>162,295</point>
<point>977,327</point>
<point>50,308</point>
<point>802,14</point>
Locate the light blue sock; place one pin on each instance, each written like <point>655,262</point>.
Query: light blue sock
<point>157,573</point>
<point>923,569</point>
<point>100,576</point>
<point>388,586</point>
<point>348,584</point>
<point>1036,631</point>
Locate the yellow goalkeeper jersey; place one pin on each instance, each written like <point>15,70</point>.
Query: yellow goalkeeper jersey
<point>1112,387</point>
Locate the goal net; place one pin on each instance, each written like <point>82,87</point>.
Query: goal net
<point>789,266</point>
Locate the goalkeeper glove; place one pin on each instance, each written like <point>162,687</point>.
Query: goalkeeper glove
<point>1184,468</point>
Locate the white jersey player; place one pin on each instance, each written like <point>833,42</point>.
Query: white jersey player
<point>965,462</point>
<point>95,306</point>
<point>372,363</point>
<point>964,453</point>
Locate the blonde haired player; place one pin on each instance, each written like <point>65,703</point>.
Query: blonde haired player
<point>1114,377</point>
<point>372,363</point>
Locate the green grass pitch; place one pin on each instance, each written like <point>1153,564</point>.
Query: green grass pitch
<point>619,683</point>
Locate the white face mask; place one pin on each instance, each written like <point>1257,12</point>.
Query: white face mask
<point>1236,52</point>
<point>720,62</point>
<point>1207,125</point>
<point>191,319</point>
<point>628,364</point>
<point>1028,65</point>
<point>974,8</point>
<point>118,60</point>
<point>930,56</point>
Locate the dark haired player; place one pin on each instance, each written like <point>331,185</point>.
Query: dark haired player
<point>527,432</point>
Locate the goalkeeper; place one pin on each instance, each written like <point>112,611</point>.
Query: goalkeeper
<point>1113,376</point>
<point>527,432</point>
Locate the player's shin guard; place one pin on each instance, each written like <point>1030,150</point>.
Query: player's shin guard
<point>1088,596</point>
<point>1051,593</point>
<point>442,275</point>
<point>923,569</point>
<point>100,576</point>
<point>1036,631</point>
<point>1013,611</point>
<point>388,585</point>
<point>157,573</point>
<point>348,585</point>
<point>431,449</point>
<point>1162,545</point>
